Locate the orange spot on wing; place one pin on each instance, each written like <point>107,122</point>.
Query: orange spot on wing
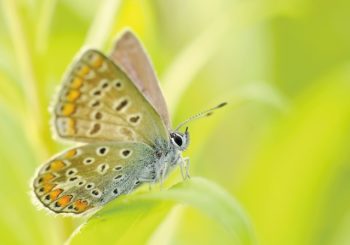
<point>46,188</point>
<point>55,193</point>
<point>46,178</point>
<point>57,165</point>
<point>81,206</point>
<point>76,82</point>
<point>64,200</point>
<point>70,153</point>
<point>70,126</point>
<point>72,95</point>
<point>97,61</point>
<point>67,109</point>
<point>83,70</point>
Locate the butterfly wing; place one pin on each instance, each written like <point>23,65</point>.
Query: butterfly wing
<point>89,176</point>
<point>129,54</point>
<point>98,102</point>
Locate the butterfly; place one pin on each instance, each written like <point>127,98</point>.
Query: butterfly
<point>114,106</point>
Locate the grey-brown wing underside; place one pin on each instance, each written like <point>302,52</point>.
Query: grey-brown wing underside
<point>129,54</point>
<point>91,175</point>
<point>98,102</point>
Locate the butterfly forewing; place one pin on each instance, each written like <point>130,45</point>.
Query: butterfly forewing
<point>98,102</point>
<point>129,54</point>
<point>87,177</point>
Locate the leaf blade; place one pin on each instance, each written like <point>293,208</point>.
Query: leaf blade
<point>144,212</point>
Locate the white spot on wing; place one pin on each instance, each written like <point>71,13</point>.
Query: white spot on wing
<point>89,186</point>
<point>118,168</point>
<point>102,151</point>
<point>104,67</point>
<point>90,75</point>
<point>89,160</point>
<point>135,119</point>
<point>122,104</point>
<point>102,168</point>
<point>71,172</point>
<point>96,193</point>
<point>125,153</point>
<point>118,84</point>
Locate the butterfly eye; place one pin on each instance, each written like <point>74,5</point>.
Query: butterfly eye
<point>177,140</point>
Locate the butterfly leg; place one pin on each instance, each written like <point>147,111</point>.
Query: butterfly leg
<point>181,163</point>
<point>187,167</point>
<point>184,167</point>
<point>150,181</point>
<point>163,173</point>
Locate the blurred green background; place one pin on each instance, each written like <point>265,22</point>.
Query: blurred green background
<point>281,147</point>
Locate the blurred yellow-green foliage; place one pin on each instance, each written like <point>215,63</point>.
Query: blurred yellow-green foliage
<point>281,147</point>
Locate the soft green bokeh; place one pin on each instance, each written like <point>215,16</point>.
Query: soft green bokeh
<point>281,147</point>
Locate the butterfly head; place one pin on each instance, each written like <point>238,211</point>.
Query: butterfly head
<point>180,140</point>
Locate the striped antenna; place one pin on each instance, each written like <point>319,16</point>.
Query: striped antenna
<point>202,114</point>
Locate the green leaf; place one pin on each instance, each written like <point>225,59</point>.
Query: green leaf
<point>141,214</point>
<point>300,174</point>
<point>20,221</point>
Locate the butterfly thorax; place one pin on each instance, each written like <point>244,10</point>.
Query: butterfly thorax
<point>169,154</point>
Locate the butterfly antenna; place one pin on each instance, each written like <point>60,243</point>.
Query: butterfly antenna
<point>202,114</point>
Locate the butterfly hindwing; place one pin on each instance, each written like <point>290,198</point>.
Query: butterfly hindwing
<point>89,176</point>
<point>98,102</point>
